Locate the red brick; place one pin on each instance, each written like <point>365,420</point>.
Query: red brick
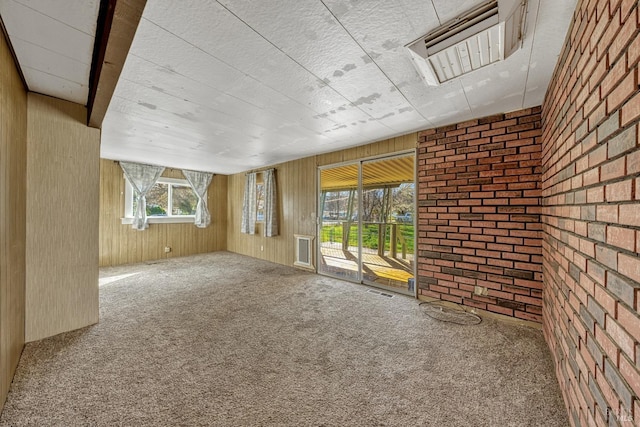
<point>476,179</point>
<point>630,373</point>
<point>622,92</point>
<point>633,54</point>
<point>631,110</point>
<point>504,123</point>
<point>528,316</point>
<point>620,337</point>
<point>613,170</point>
<point>629,215</point>
<point>633,162</point>
<point>629,266</point>
<point>597,116</point>
<point>620,191</point>
<point>609,213</point>
<point>613,25</point>
<point>591,176</point>
<point>500,294</point>
<point>605,299</point>
<point>430,294</point>
<point>595,195</point>
<point>629,320</point>
<point>594,79</point>
<point>610,349</point>
<point>623,37</point>
<point>528,300</point>
<point>607,256</point>
<point>500,309</point>
<point>451,298</point>
<point>614,75</point>
<point>621,237</point>
<point>622,143</point>
<point>426,133</point>
<point>624,12</point>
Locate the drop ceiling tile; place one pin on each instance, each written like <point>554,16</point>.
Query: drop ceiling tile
<point>496,88</point>
<point>57,87</point>
<point>271,82</point>
<point>385,25</point>
<point>181,117</point>
<point>183,91</point>
<point>195,63</point>
<point>149,141</point>
<point>500,87</point>
<point>383,28</point>
<point>49,62</point>
<point>551,27</point>
<point>79,14</point>
<point>259,58</point>
<point>315,40</point>
<point>447,10</point>
<point>29,25</point>
<point>153,141</point>
<point>172,55</point>
<point>310,35</point>
<point>403,119</point>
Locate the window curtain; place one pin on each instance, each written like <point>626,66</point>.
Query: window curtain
<point>249,206</point>
<point>142,178</point>
<point>270,203</point>
<point>200,182</point>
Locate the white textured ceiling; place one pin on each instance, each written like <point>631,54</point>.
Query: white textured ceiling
<point>231,85</point>
<point>53,41</point>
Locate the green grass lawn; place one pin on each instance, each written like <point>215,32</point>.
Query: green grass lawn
<point>333,233</point>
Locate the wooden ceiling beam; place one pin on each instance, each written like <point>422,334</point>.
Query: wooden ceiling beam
<point>117,24</point>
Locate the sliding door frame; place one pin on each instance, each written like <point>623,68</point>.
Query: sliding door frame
<point>360,162</point>
<point>319,220</point>
<point>415,237</point>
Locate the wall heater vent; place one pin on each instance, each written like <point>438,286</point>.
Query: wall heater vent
<point>304,251</point>
<point>475,39</point>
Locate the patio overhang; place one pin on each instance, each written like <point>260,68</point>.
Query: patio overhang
<point>387,173</point>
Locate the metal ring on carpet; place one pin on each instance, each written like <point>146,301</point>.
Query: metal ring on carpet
<point>459,316</point>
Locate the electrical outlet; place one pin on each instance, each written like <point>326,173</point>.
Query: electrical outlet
<point>480,290</point>
<point>167,249</point>
<point>261,248</point>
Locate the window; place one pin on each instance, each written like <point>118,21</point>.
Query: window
<point>169,200</point>
<point>260,202</point>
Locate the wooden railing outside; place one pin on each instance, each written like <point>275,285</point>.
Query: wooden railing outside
<point>395,237</point>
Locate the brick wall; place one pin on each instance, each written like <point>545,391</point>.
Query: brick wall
<point>591,215</point>
<point>479,237</point>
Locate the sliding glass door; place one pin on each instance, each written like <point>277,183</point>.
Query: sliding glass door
<point>339,231</point>
<point>387,223</point>
<point>366,227</point>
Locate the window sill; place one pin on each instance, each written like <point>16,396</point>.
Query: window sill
<point>162,220</point>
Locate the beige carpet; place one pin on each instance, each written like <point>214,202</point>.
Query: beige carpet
<point>222,339</point>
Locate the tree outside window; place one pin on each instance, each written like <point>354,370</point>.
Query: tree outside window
<point>167,199</point>
<point>260,201</point>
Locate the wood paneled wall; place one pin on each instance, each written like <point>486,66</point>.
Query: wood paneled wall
<point>297,204</point>
<point>296,215</point>
<point>63,184</point>
<point>13,179</point>
<point>120,244</point>
<point>380,148</point>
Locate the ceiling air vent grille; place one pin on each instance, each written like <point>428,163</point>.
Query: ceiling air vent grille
<point>480,37</point>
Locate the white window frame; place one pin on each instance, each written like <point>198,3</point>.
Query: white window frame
<point>168,219</point>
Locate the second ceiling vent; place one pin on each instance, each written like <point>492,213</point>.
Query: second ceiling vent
<point>479,37</point>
